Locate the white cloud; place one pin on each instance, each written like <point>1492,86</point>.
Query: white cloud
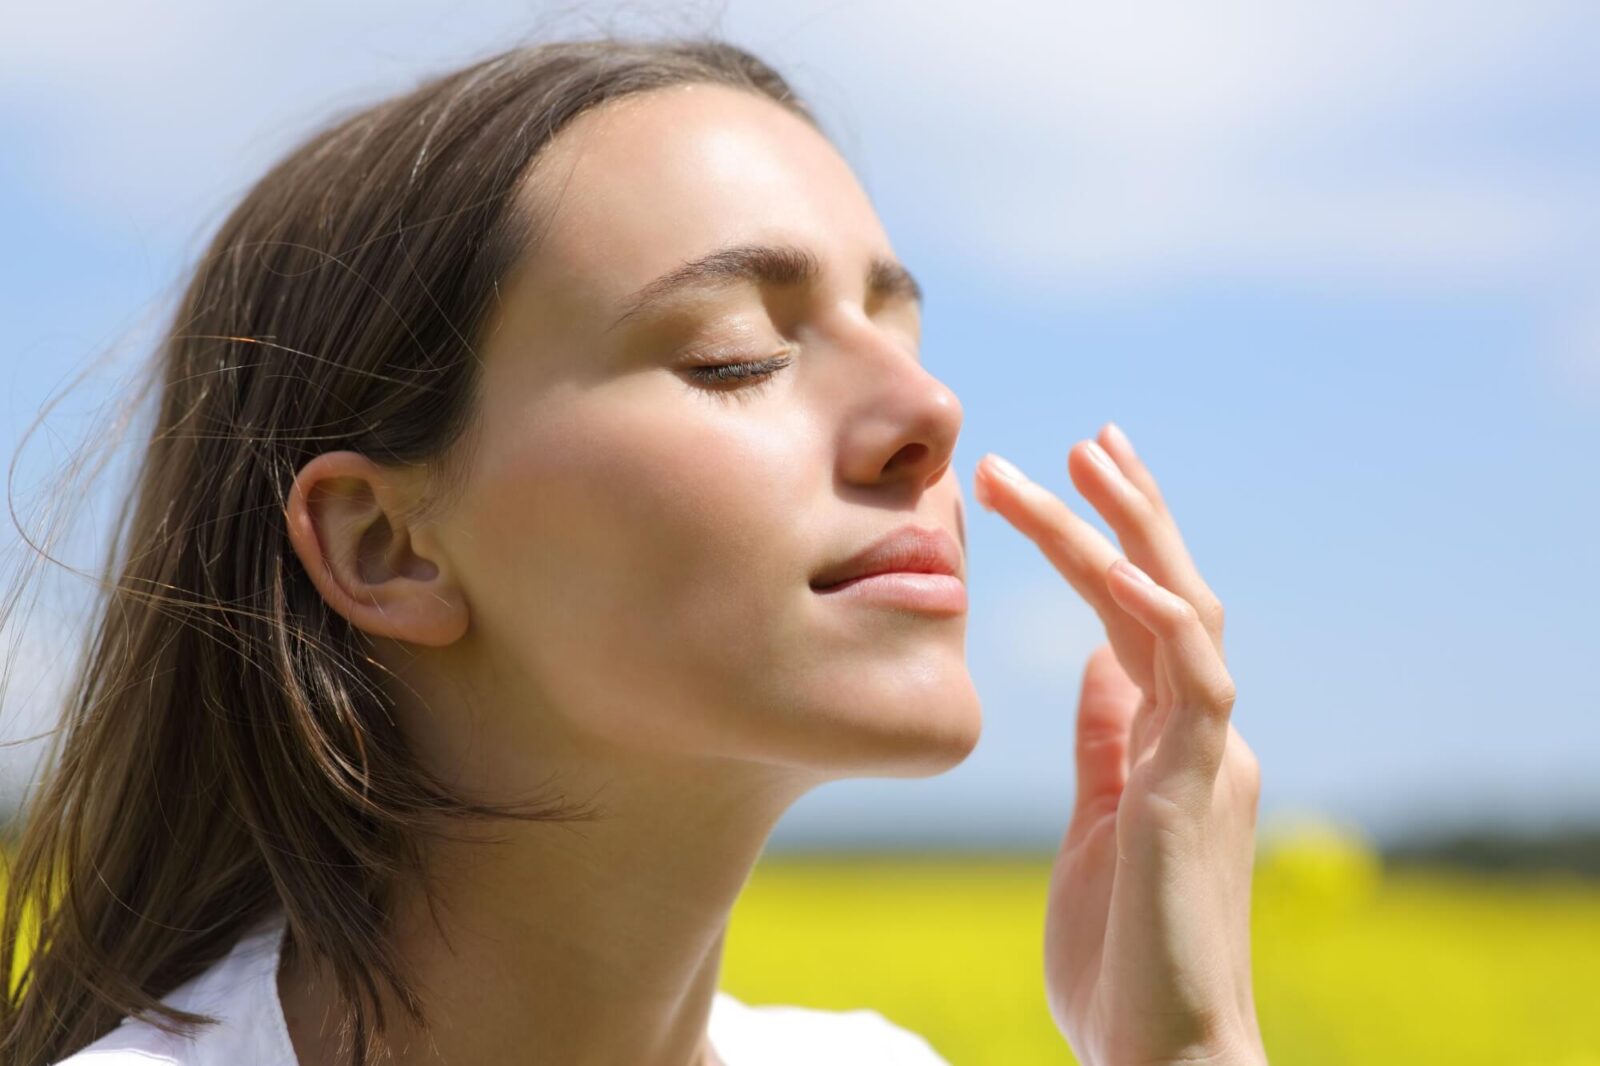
<point>1128,144</point>
<point>1108,144</point>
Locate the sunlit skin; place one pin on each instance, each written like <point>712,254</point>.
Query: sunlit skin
<point>618,609</point>
<point>1147,931</point>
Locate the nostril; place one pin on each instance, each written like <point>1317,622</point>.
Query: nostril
<point>909,455</point>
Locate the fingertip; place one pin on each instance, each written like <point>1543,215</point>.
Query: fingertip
<point>1135,591</point>
<point>1133,573</point>
<point>994,469</point>
<point>1119,439</point>
<point>980,491</point>
<point>1002,468</point>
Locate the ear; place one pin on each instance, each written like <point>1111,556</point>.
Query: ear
<point>346,520</point>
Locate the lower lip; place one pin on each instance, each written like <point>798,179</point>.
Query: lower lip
<point>933,593</point>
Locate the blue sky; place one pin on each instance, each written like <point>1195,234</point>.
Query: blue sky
<point>1335,269</point>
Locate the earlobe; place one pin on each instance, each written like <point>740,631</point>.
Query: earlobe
<point>343,520</point>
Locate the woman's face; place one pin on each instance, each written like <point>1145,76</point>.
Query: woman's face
<point>637,545</point>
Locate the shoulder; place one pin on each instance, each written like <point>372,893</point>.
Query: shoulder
<point>239,991</point>
<point>780,1035</point>
<point>136,1043</point>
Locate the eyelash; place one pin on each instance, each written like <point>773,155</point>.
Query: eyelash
<point>755,372</point>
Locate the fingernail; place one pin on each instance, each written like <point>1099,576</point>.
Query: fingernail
<point>980,490</point>
<point>1120,437</point>
<point>1005,469</point>
<point>1099,455</point>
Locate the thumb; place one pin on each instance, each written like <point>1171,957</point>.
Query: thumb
<point>1106,706</point>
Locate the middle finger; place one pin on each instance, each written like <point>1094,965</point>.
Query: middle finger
<point>1146,530</point>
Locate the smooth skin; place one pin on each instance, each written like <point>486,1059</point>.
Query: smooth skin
<point>617,608</point>
<point>1147,930</point>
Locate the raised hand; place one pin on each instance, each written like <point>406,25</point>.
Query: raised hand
<point>1147,931</point>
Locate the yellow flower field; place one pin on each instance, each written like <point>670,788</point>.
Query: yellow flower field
<point>1351,966</point>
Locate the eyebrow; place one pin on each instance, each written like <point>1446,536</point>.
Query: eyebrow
<point>772,264</point>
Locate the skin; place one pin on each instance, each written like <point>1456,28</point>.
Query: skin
<point>1147,926</point>
<point>618,610</point>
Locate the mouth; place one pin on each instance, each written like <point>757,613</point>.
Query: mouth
<point>910,549</point>
<point>835,586</point>
<point>925,593</point>
<point>913,566</point>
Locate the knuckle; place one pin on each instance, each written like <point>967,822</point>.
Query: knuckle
<point>1248,768</point>
<point>1220,694</point>
<point>1211,613</point>
<point>1184,614</point>
<point>1058,541</point>
<point>1140,508</point>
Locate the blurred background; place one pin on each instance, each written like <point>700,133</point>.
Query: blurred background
<point>1335,268</point>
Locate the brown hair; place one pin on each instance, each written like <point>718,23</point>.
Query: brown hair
<point>226,746</point>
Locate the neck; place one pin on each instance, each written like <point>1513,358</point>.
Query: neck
<point>594,943</point>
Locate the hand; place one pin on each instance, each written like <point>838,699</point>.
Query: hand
<point>1147,930</point>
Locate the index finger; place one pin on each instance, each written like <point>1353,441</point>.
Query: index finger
<point>1079,551</point>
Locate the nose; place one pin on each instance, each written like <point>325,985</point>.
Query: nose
<point>901,422</point>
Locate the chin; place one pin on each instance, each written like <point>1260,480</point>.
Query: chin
<point>942,749</point>
<point>909,736</point>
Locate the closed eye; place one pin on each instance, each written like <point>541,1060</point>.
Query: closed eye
<point>743,377</point>
<point>720,372</point>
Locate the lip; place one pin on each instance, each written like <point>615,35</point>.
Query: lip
<point>941,594</point>
<point>909,550</point>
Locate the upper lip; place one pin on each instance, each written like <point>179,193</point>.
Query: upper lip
<point>913,549</point>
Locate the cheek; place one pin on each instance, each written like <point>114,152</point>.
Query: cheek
<point>646,552</point>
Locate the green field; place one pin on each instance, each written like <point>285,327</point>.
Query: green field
<point>1351,966</point>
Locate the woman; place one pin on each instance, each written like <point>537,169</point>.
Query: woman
<point>500,570</point>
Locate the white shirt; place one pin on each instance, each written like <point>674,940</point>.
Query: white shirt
<point>241,991</point>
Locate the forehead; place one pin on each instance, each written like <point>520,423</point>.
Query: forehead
<point>641,184</point>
